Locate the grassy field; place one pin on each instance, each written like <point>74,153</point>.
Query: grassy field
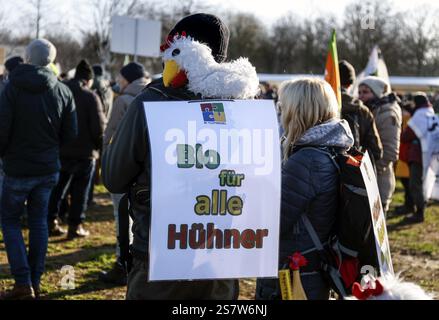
<point>415,253</point>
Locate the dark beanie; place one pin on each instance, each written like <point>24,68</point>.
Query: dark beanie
<point>207,29</point>
<point>13,62</point>
<point>347,73</point>
<point>133,71</point>
<point>421,100</point>
<point>98,70</point>
<point>84,71</point>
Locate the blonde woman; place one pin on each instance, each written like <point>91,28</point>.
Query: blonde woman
<point>313,131</point>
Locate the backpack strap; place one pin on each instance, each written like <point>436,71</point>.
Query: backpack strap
<point>333,272</point>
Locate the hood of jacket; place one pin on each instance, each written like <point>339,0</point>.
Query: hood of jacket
<point>350,104</point>
<point>135,87</point>
<point>389,99</point>
<point>333,133</point>
<point>32,78</point>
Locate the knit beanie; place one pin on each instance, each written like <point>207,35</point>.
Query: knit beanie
<point>13,62</point>
<point>40,52</point>
<point>347,73</point>
<point>84,71</point>
<point>378,86</point>
<point>208,29</point>
<point>133,71</point>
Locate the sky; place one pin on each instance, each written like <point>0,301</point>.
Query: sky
<point>71,13</point>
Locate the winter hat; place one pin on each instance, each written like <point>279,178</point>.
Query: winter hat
<point>378,86</point>
<point>347,73</point>
<point>13,62</point>
<point>133,71</point>
<point>84,71</point>
<point>98,70</point>
<point>40,52</point>
<point>421,100</point>
<point>208,29</point>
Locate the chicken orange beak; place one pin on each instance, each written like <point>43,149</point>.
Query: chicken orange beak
<point>170,72</point>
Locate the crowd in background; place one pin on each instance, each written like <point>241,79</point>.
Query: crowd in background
<point>54,131</point>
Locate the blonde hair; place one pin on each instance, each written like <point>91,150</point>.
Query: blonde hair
<point>304,103</point>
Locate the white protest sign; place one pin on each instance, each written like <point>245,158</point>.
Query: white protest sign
<point>215,189</point>
<point>378,218</point>
<point>135,36</point>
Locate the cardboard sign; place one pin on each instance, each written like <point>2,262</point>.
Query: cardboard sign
<point>215,194</point>
<point>378,217</point>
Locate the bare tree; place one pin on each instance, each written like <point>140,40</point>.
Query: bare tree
<point>249,38</point>
<point>37,14</point>
<point>314,41</point>
<point>370,23</point>
<point>420,40</point>
<point>103,11</point>
<point>285,41</point>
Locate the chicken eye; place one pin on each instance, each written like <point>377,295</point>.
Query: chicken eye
<point>176,52</point>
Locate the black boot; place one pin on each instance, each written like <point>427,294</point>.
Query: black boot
<point>418,217</point>
<point>403,210</point>
<point>117,275</point>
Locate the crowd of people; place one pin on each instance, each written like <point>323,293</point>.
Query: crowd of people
<point>54,134</point>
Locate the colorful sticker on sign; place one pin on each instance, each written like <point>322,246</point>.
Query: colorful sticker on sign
<point>213,113</point>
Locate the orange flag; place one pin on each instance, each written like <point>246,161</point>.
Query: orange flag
<point>332,74</point>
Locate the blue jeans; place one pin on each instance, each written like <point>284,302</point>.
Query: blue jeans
<point>26,268</point>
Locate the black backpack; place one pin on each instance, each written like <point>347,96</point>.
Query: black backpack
<point>352,242</point>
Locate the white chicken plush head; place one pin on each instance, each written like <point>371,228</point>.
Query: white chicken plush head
<point>389,287</point>
<point>189,62</point>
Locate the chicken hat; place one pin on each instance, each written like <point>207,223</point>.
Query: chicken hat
<point>193,56</point>
<point>207,29</point>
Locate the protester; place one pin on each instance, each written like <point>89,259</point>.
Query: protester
<point>359,117</point>
<point>373,91</point>
<point>126,169</point>
<point>103,89</point>
<point>37,114</point>
<point>415,159</point>
<point>132,80</point>
<point>10,65</point>
<point>402,171</point>
<point>78,158</point>
<point>309,112</point>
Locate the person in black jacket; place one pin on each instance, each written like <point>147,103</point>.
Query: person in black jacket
<point>359,117</point>
<point>313,134</point>
<point>126,169</point>
<point>78,158</point>
<point>37,115</point>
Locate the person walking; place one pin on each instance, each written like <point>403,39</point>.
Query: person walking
<point>37,115</point>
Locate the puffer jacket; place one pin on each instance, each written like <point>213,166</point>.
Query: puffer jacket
<point>120,106</point>
<point>388,119</point>
<point>310,185</point>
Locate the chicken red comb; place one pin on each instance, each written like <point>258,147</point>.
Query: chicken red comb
<point>170,39</point>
